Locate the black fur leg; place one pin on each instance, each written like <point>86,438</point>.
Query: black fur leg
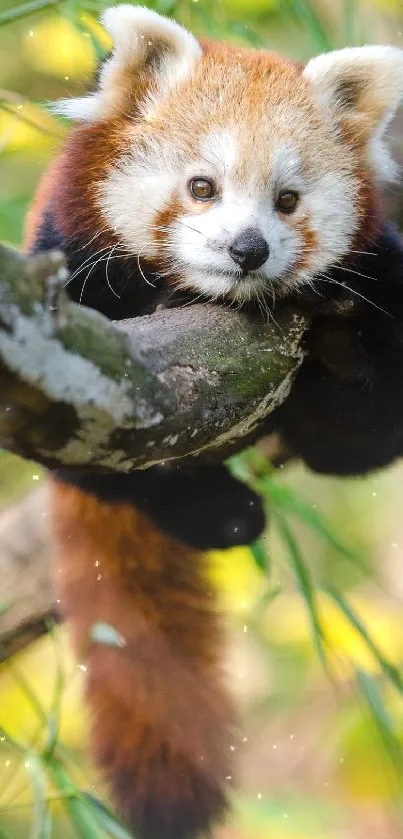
<point>344,415</point>
<point>204,507</point>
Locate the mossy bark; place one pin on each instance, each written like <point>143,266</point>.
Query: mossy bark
<point>77,389</point>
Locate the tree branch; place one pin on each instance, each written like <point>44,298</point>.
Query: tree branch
<point>27,596</point>
<point>79,390</point>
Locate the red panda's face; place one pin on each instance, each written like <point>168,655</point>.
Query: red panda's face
<point>240,174</point>
<point>234,206</point>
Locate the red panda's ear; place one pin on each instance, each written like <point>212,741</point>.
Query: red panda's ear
<point>151,55</point>
<point>360,89</point>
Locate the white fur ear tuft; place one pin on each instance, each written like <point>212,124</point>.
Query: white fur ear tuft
<point>151,56</point>
<point>129,25</point>
<point>360,88</point>
<point>82,108</point>
<point>359,79</point>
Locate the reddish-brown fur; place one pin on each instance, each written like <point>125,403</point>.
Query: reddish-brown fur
<point>161,720</point>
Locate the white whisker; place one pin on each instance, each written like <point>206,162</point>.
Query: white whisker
<point>140,268</point>
<point>330,280</point>
<point>107,274</point>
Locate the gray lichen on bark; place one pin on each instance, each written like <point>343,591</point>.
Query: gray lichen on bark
<point>79,390</point>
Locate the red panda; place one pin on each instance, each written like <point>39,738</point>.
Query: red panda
<point>213,171</point>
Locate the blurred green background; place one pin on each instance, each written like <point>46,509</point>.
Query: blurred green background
<point>314,611</point>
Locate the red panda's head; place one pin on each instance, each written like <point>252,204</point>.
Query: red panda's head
<point>234,171</point>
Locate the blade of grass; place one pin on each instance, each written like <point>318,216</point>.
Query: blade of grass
<point>43,723</point>
<point>305,584</point>
<point>39,789</point>
<point>306,15</point>
<point>59,685</point>
<point>21,750</point>
<point>25,9</point>
<point>259,553</point>
<point>381,718</point>
<point>107,819</point>
<point>77,809</point>
<point>257,471</point>
<point>287,500</point>
<point>349,21</point>
<point>236,27</point>
<point>387,667</point>
<point>99,50</point>
<point>165,7</point>
<point>47,823</point>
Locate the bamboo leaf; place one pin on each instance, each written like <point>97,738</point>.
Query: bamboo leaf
<point>288,501</point>
<point>381,718</point>
<point>79,812</point>
<point>25,9</point>
<point>259,553</point>
<point>107,819</point>
<point>39,789</point>
<point>305,584</point>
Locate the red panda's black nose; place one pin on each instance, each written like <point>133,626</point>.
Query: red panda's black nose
<point>249,250</point>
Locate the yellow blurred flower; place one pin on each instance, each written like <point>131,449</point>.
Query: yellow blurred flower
<point>26,126</point>
<point>365,771</point>
<point>36,666</point>
<point>57,47</point>
<point>287,623</point>
<point>237,577</point>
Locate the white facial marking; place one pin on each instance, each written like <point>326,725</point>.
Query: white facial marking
<point>204,241</point>
<point>286,164</point>
<point>219,151</point>
<point>196,243</point>
<point>131,197</point>
<point>200,242</point>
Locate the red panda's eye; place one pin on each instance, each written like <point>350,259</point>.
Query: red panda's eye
<point>287,201</point>
<point>202,189</point>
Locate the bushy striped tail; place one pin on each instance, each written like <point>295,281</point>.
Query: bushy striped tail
<point>161,726</point>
